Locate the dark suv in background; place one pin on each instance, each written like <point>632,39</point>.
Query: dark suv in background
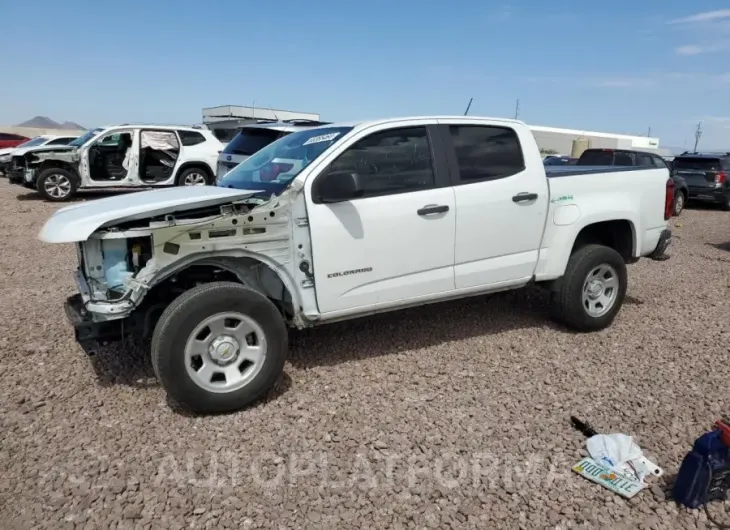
<point>253,137</point>
<point>706,175</point>
<point>631,158</point>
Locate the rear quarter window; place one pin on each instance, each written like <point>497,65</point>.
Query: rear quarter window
<point>249,141</point>
<point>702,164</point>
<point>596,158</point>
<point>191,138</point>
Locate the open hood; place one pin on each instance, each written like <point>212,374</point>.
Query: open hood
<point>78,221</point>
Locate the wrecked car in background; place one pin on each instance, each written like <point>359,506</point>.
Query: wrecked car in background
<point>123,156</point>
<point>39,143</point>
<point>344,221</point>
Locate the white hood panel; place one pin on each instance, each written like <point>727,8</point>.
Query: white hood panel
<point>78,221</point>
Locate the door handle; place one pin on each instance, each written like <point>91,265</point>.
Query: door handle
<point>524,197</point>
<point>431,209</point>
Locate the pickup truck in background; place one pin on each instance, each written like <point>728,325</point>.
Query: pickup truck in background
<point>706,175</point>
<point>372,216</point>
<point>631,158</point>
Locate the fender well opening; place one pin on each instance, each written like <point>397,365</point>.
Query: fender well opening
<point>246,271</point>
<point>617,234</point>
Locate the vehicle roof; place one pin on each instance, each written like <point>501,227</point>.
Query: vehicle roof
<point>363,124</point>
<point>704,155</point>
<point>164,127</point>
<point>287,127</point>
<point>621,150</point>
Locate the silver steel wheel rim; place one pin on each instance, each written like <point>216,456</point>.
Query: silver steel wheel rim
<point>195,179</point>
<point>679,204</point>
<point>225,352</point>
<point>57,186</point>
<point>600,290</point>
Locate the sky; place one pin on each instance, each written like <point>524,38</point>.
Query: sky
<point>621,66</point>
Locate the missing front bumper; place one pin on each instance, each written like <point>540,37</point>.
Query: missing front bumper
<point>85,329</point>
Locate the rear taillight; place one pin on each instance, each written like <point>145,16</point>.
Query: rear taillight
<point>720,178</point>
<point>669,200</point>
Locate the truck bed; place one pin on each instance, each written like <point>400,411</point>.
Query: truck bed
<point>570,171</point>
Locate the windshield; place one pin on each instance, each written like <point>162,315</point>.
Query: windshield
<point>272,168</point>
<point>38,140</point>
<point>250,141</point>
<point>88,135</point>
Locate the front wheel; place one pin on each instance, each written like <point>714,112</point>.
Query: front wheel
<point>219,347</point>
<point>592,290</point>
<point>56,185</point>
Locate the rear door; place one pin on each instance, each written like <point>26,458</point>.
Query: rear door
<point>501,204</point>
<point>700,173</point>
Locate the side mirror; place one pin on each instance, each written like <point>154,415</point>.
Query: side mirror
<point>339,186</point>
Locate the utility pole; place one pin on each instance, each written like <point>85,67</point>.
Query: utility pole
<point>698,135</point>
<point>517,109</point>
<point>649,133</point>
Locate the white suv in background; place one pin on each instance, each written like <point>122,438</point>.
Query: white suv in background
<point>256,136</point>
<point>120,156</point>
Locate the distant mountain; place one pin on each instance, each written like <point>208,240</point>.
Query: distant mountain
<point>72,126</point>
<point>43,122</point>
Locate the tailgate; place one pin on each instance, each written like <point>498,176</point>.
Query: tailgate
<point>698,172</point>
<point>698,179</point>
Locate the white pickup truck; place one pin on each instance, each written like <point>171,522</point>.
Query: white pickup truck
<point>347,220</point>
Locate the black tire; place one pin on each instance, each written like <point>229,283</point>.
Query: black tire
<point>183,176</point>
<point>185,313</point>
<point>680,200</point>
<point>725,205</point>
<point>566,302</point>
<point>62,175</point>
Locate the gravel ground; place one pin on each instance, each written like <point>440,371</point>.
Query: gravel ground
<point>451,416</point>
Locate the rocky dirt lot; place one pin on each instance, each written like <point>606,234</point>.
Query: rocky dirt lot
<point>450,416</point>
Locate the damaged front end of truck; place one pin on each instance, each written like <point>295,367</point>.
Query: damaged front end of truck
<point>138,252</point>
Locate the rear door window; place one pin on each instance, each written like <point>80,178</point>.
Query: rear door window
<point>700,164</point>
<point>623,159</point>
<point>486,152</point>
<point>249,141</point>
<point>596,158</point>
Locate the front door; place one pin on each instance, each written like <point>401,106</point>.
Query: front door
<point>390,245</point>
<point>502,201</point>
<point>111,160</point>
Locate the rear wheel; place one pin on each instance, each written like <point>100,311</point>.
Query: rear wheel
<point>193,177</point>
<point>592,290</point>
<point>725,205</point>
<point>56,185</point>
<point>679,201</point>
<point>219,347</point>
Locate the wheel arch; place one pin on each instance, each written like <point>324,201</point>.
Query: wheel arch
<point>257,271</point>
<point>195,164</point>
<point>45,165</point>
<point>618,234</point>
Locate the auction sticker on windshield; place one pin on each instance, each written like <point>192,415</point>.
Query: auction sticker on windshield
<point>321,138</point>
